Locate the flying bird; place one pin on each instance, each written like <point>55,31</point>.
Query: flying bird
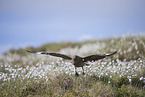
<point>77,61</point>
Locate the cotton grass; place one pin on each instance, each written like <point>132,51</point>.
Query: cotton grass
<point>128,63</point>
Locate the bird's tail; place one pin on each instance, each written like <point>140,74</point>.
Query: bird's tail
<point>111,53</point>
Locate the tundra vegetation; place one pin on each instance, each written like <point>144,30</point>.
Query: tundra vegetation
<point>123,74</point>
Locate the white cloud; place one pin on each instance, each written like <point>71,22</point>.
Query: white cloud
<point>4,48</point>
<point>86,37</point>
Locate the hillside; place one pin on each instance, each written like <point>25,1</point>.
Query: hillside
<point>26,74</point>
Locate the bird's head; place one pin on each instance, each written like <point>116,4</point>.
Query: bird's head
<point>76,57</point>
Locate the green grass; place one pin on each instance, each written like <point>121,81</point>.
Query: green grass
<point>66,85</point>
<point>122,75</point>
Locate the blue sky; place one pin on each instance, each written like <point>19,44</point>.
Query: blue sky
<point>35,22</point>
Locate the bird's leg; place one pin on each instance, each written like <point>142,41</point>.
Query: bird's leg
<point>76,72</point>
<point>83,71</point>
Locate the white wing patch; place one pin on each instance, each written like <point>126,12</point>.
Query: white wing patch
<point>38,52</point>
<point>107,54</point>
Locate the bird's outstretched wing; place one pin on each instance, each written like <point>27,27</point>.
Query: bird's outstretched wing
<point>52,54</point>
<point>96,57</point>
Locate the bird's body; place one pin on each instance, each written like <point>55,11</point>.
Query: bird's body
<point>77,61</point>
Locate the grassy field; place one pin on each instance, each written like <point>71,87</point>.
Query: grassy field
<point>122,75</point>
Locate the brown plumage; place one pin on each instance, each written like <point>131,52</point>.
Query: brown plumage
<point>76,60</point>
